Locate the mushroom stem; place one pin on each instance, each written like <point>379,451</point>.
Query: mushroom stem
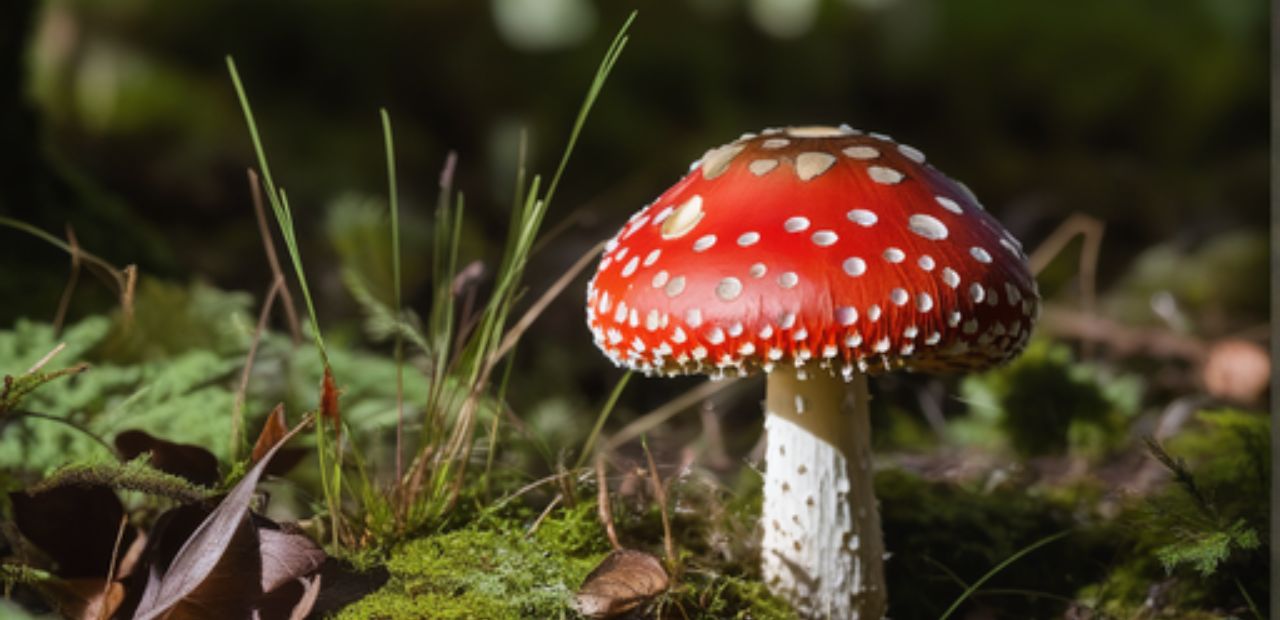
<point>822,548</point>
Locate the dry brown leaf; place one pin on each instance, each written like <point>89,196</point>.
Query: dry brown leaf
<point>624,580</point>
<point>192,462</point>
<point>87,598</point>
<point>272,430</point>
<point>74,526</point>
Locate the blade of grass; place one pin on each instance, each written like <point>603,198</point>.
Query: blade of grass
<point>589,446</point>
<point>393,201</point>
<point>606,66</point>
<point>999,567</point>
<point>279,200</point>
<point>1253,607</point>
<point>460,387</point>
<point>552,292</point>
<point>280,206</point>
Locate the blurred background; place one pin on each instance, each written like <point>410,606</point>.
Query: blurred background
<point>1146,121</point>
<point>120,122</point>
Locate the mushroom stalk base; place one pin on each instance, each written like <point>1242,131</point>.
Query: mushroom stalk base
<point>822,548</point>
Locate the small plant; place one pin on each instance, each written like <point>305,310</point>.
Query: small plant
<point>463,352</point>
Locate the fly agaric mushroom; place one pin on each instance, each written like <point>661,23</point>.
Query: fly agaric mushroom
<point>818,255</point>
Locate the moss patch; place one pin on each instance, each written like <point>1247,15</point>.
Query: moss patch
<point>486,572</point>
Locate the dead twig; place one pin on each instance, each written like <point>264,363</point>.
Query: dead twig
<point>123,280</point>
<point>660,494</point>
<point>47,357</point>
<point>65,301</point>
<point>555,501</point>
<point>603,508</point>
<point>513,335</point>
<point>264,230</point>
<point>1090,231</point>
<point>237,409</point>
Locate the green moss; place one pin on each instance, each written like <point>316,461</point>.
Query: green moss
<point>1201,539</point>
<point>1045,402</point>
<point>713,596</point>
<point>943,536</point>
<point>493,569</point>
<point>489,571</point>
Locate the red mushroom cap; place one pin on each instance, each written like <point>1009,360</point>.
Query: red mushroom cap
<point>812,246</point>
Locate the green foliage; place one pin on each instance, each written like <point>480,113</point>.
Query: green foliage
<point>1045,402</point>
<point>171,319</point>
<point>173,388</point>
<point>1207,531</point>
<point>1211,516</point>
<point>21,574</point>
<point>1206,551</point>
<point>358,228</point>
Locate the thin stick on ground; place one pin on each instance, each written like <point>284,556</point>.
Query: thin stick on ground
<point>555,501</point>
<point>264,230</point>
<point>603,508</point>
<point>65,301</point>
<point>660,494</point>
<point>237,409</point>
<point>46,359</point>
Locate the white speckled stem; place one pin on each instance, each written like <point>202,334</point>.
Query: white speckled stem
<point>822,547</point>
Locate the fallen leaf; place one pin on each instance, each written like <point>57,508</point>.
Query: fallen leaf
<point>272,430</point>
<point>192,462</point>
<point>75,526</point>
<point>205,549</point>
<point>87,598</point>
<point>624,580</point>
<point>308,600</point>
<point>287,554</point>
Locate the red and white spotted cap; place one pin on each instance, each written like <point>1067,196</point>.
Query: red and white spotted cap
<point>820,247</point>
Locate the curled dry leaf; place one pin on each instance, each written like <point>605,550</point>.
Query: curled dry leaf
<point>76,527</point>
<point>272,431</point>
<point>623,581</point>
<point>204,556</point>
<point>188,461</point>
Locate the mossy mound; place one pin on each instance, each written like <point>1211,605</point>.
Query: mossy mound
<point>491,569</point>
